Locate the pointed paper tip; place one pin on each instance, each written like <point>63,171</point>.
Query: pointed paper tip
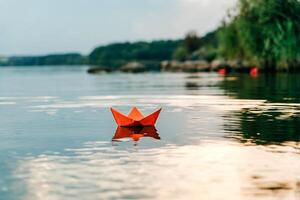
<point>135,114</point>
<point>113,110</point>
<point>135,108</point>
<point>151,119</point>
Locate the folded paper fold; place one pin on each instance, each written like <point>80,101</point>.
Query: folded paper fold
<point>135,118</point>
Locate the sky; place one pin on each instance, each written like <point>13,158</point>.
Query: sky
<point>37,27</point>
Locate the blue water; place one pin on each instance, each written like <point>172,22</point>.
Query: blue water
<point>220,137</point>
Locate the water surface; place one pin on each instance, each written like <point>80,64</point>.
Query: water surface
<point>233,137</point>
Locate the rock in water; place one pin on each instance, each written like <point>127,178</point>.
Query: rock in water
<point>133,67</point>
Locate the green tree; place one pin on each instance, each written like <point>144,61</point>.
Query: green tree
<point>194,47</point>
<point>264,32</point>
<point>191,42</point>
<point>180,54</point>
<point>118,54</point>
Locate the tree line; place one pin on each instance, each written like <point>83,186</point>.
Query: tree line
<point>263,33</point>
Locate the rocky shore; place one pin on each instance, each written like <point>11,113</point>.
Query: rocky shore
<point>177,66</point>
<point>200,66</point>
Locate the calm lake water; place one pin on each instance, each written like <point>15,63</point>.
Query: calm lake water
<point>233,137</point>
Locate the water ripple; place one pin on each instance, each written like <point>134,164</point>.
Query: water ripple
<point>99,170</point>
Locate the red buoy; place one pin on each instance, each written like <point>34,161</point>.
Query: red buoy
<point>254,72</point>
<point>222,71</point>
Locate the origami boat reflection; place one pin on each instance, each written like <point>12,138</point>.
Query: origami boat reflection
<point>135,118</point>
<point>135,133</point>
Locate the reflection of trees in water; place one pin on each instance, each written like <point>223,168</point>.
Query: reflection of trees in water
<point>199,81</point>
<point>264,125</point>
<point>269,127</point>
<point>192,82</point>
<point>277,120</point>
<point>191,85</point>
<point>273,88</point>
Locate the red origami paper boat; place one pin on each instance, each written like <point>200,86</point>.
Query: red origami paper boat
<point>135,118</point>
<point>135,133</point>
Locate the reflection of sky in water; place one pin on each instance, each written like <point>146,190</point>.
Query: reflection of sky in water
<point>56,138</point>
<point>209,170</point>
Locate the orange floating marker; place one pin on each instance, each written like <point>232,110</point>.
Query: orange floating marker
<point>135,118</point>
<point>222,71</point>
<point>135,133</point>
<point>253,72</point>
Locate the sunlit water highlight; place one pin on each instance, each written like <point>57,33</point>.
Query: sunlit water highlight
<point>220,137</point>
